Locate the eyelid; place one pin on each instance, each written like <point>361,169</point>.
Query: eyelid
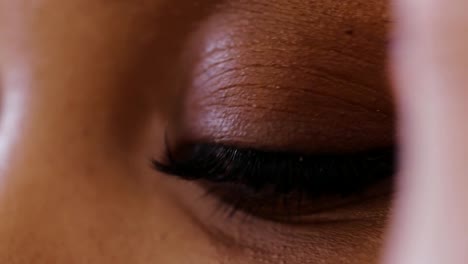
<point>311,174</point>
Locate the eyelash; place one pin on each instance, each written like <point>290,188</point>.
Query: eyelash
<point>249,179</point>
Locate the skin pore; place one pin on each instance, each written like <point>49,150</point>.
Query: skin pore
<point>90,88</point>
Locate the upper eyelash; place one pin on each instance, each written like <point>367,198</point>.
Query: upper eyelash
<point>312,175</point>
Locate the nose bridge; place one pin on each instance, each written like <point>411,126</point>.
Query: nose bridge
<point>63,205</point>
<point>11,110</point>
<point>10,115</point>
<point>34,180</point>
<point>26,193</point>
<point>62,185</point>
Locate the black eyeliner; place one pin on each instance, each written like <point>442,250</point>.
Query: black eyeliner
<point>283,172</point>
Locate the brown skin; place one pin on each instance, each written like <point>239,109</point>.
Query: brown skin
<point>99,82</point>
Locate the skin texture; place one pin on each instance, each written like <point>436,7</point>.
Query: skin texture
<point>89,89</point>
<point>275,78</point>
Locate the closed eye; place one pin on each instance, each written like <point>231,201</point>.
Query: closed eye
<point>251,178</point>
